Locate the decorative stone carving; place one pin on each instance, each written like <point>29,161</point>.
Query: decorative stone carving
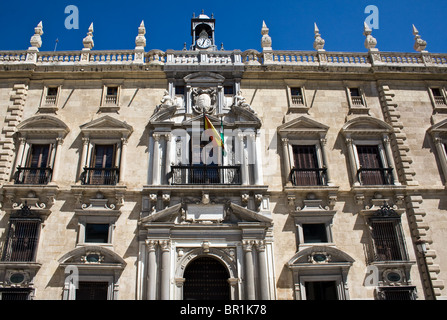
<point>88,40</point>
<point>266,41</point>
<point>36,40</point>
<point>419,44</point>
<point>370,42</point>
<point>204,100</point>
<point>140,40</point>
<point>318,42</point>
<point>240,101</point>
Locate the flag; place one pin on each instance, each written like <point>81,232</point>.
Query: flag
<point>216,137</point>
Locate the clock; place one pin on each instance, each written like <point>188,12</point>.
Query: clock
<point>203,42</point>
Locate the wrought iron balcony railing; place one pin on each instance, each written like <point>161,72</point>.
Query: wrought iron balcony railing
<point>100,176</point>
<point>28,175</point>
<point>202,174</point>
<point>309,177</point>
<point>375,176</point>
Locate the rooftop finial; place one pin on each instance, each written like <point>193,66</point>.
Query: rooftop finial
<point>419,44</point>
<point>370,42</point>
<point>266,41</point>
<point>88,40</point>
<point>140,40</point>
<point>36,40</point>
<point>319,41</point>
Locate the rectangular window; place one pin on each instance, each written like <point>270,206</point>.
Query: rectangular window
<point>37,168</point>
<point>321,290</point>
<point>315,233</point>
<point>297,95</point>
<point>97,232</point>
<point>51,97</point>
<point>356,97</point>
<point>112,95</point>
<point>17,294</point>
<point>89,290</point>
<point>228,90</point>
<point>179,90</point>
<point>387,240</point>
<point>306,171</point>
<point>102,169</point>
<point>372,170</point>
<point>22,239</point>
<point>438,96</point>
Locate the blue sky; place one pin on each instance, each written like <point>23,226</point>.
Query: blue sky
<point>238,23</point>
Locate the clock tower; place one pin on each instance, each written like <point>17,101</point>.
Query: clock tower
<point>202,32</point>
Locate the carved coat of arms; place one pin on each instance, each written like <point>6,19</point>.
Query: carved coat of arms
<point>204,100</point>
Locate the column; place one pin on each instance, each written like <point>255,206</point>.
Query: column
<point>441,155</point>
<point>249,272</point>
<point>323,142</point>
<point>240,156</point>
<point>259,180</point>
<point>389,158</point>
<point>123,161</point>
<point>165,269</point>
<point>263,274</point>
<point>151,270</point>
<point>286,160</point>
<point>20,153</point>
<point>254,159</point>
<point>156,160</point>
<point>84,156</point>
<point>352,161</point>
<point>168,158</point>
<point>57,156</point>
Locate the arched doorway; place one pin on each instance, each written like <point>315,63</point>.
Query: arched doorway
<point>206,279</point>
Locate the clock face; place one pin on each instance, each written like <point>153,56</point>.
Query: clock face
<point>203,42</point>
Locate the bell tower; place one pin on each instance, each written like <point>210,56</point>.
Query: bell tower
<point>202,32</point>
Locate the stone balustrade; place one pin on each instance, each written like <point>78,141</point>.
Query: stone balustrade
<point>236,57</point>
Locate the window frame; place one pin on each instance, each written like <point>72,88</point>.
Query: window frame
<point>84,220</point>
<point>106,106</point>
<point>50,107</point>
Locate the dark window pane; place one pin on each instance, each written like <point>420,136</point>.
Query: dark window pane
<point>355,92</point>
<point>52,91</point>
<point>98,233</point>
<point>112,91</point>
<point>314,233</point>
<point>92,290</point>
<point>321,290</point>
<point>39,156</point>
<point>295,91</point>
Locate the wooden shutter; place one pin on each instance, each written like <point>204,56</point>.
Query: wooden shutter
<point>39,156</point>
<point>104,156</point>
<point>369,159</point>
<point>305,157</point>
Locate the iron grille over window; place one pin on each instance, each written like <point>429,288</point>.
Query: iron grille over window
<point>11,294</point>
<point>23,235</point>
<point>89,290</point>
<point>387,236</point>
<point>397,293</point>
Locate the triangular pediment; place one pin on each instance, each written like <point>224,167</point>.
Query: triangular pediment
<point>107,126</point>
<point>366,125</point>
<point>248,215</point>
<point>439,128</point>
<point>43,124</point>
<point>302,126</point>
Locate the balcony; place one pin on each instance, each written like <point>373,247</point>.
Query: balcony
<point>375,176</point>
<point>202,174</point>
<point>308,177</point>
<point>28,175</point>
<point>100,176</point>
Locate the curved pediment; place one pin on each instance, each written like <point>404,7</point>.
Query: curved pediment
<point>302,126</point>
<point>107,126</point>
<point>365,125</point>
<point>320,255</point>
<point>43,125</point>
<point>92,256</point>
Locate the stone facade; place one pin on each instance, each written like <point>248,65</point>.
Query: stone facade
<point>99,183</point>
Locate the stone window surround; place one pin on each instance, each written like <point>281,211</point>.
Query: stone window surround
<point>104,106</point>
<point>70,288</point>
<point>309,278</point>
<point>296,84</point>
<point>384,151</point>
<point>314,218</point>
<point>441,88</point>
<point>87,219</point>
<point>43,102</point>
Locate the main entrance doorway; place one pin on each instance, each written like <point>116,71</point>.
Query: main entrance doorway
<point>206,279</point>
